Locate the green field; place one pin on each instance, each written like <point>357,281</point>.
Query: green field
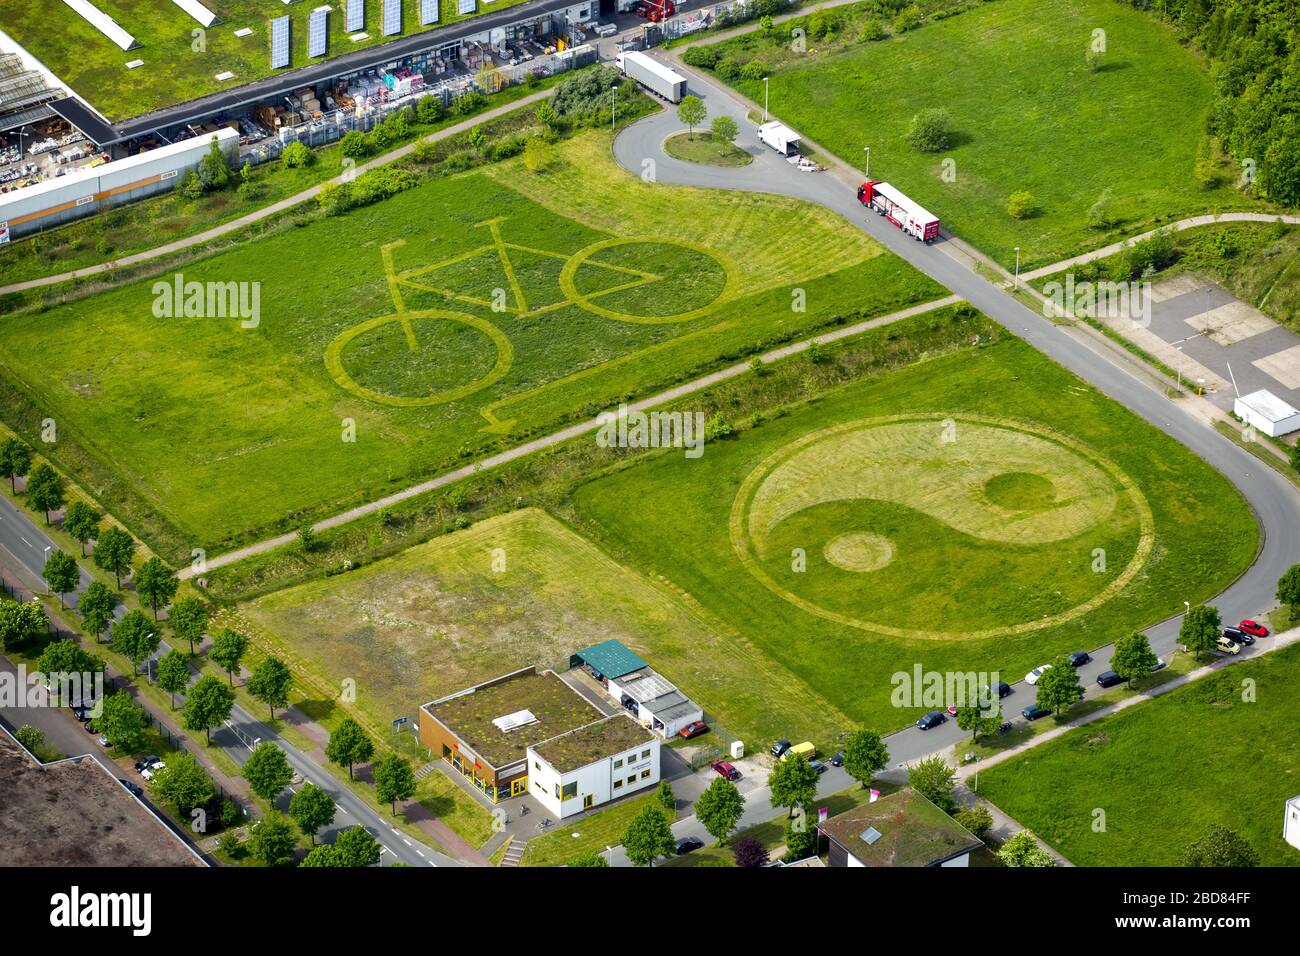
<point>1214,752</point>
<point>937,515</point>
<point>511,591</point>
<point>174,70</point>
<point>438,324</point>
<point>1027,114</point>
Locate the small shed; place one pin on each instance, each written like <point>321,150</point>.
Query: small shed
<point>1268,413</point>
<point>609,659</point>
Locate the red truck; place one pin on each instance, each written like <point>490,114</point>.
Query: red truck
<point>898,209</point>
<point>656,11</point>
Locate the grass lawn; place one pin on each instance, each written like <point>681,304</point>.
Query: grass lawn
<point>977,554</point>
<point>437,618</point>
<point>702,148</point>
<point>173,71</point>
<point>447,321</point>
<point>588,835</point>
<point>1027,114</point>
<point>1214,752</point>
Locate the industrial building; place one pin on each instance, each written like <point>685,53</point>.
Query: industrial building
<point>635,685</point>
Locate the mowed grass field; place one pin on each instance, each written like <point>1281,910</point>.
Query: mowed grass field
<point>608,287</point>
<point>1220,757</point>
<point>850,540</point>
<point>174,70</point>
<point>1027,114</point>
<point>511,591</point>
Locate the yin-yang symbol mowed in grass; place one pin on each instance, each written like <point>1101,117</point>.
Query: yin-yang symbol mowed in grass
<point>944,527</point>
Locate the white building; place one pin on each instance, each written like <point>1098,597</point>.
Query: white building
<point>595,764</point>
<point>648,696</point>
<point>1266,412</point>
<point>1291,826</point>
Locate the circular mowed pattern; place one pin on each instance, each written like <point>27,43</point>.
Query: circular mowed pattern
<point>941,527</point>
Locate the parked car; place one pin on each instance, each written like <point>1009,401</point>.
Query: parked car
<point>725,770</point>
<point>688,843</point>
<point>1253,629</point>
<point>1079,658</point>
<point>104,741</point>
<point>693,729</point>
<point>145,763</point>
<point>1109,679</point>
<point>1032,677</point>
<point>149,771</point>
<point>780,747</point>
<point>1158,665</point>
<point>933,719</point>
<point>133,788</point>
<point>1226,645</point>
<point>805,750</point>
<point>1034,712</point>
<point>1004,689</point>
<point>837,759</point>
<point>81,713</point>
<point>1237,635</point>
<point>817,765</point>
<point>952,710</point>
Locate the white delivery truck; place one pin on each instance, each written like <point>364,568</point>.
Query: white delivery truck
<point>653,75</point>
<point>780,137</point>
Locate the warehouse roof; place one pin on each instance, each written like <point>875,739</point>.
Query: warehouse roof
<point>1265,403</point>
<point>902,829</point>
<point>586,745</point>
<point>611,658</point>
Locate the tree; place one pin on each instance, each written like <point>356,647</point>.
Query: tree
<point>66,657</point>
<point>270,682</point>
<point>30,737</point>
<point>750,854</point>
<point>1200,630</point>
<point>865,755</point>
<point>929,131</point>
<point>589,859</point>
<point>96,607</point>
<point>978,719</point>
<point>62,574</point>
<point>173,673</point>
<point>267,771</point>
<point>82,522</point>
<point>1021,204</point>
<point>934,780</point>
<point>723,129</point>
<point>1100,214</point>
<point>136,637</point>
<point>356,847</point>
<point>121,721</point>
<point>691,111</point>
<point>114,551</point>
<point>1288,590</point>
<point>183,784</point>
<point>156,584</point>
<point>394,780</point>
<point>793,783</point>
<point>20,621</point>
<point>1059,688</point>
<point>1023,850</point>
<point>353,144</point>
<point>322,855</point>
<point>648,837</point>
<point>228,649</point>
<point>664,794</point>
<point>719,808</point>
<point>15,459</point>
<point>189,619</point>
<point>349,744</point>
<point>296,155</point>
<point>1133,657</point>
<point>208,703</point>
<point>311,808</point>
<point>800,842</point>
<point>1220,847</point>
<point>213,171</point>
<point>976,819</point>
<point>272,841</point>
<point>45,490</point>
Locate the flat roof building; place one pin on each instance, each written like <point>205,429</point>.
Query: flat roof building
<point>582,769</point>
<point>643,691</point>
<point>902,829</point>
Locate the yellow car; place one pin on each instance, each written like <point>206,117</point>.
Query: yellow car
<point>1226,645</point>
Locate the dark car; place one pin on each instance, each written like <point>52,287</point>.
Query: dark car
<point>818,766</point>
<point>134,788</point>
<point>1238,635</point>
<point>687,844</point>
<point>1109,679</point>
<point>1004,689</point>
<point>146,762</point>
<point>933,719</point>
<point>1079,658</point>
<point>780,747</point>
<point>693,729</point>
<point>1034,712</point>
<point>81,713</point>
<point>837,759</point>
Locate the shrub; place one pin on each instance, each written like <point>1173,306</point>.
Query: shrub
<point>750,853</point>
<point>191,187</point>
<point>908,17</point>
<point>297,155</point>
<point>353,144</point>
<point>429,109</point>
<point>1021,205</point>
<point>753,71</point>
<point>872,30</point>
<point>705,57</point>
<point>469,103</point>
<point>1100,214</point>
<point>929,131</point>
<point>716,427</point>
<point>586,92</point>
<point>799,843</point>
<point>379,138</point>
<point>248,191</point>
<point>728,69</point>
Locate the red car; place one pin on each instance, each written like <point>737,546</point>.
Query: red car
<point>693,730</point>
<point>1253,629</point>
<point>725,770</point>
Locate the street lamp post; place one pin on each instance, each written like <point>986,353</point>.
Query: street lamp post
<point>1017,267</point>
<point>764,99</point>
<point>613,88</point>
<point>866,166</point>
<point>1180,376</point>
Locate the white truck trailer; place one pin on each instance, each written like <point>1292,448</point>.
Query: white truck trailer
<point>780,137</point>
<point>653,75</point>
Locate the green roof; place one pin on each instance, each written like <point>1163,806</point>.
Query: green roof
<point>586,745</point>
<point>909,831</point>
<point>611,658</point>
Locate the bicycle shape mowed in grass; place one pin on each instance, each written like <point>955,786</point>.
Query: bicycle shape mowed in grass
<point>423,279</point>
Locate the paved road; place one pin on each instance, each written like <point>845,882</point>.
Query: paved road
<point>26,544</point>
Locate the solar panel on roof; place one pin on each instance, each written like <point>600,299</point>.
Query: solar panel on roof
<point>870,835</point>
<point>317,31</point>
<point>465,6</point>
<point>392,17</point>
<point>356,19</point>
<point>279,42</point>
<point>429,11</point>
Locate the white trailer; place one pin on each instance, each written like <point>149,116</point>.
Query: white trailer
<point>780,137</point>
<point>653,75</point>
